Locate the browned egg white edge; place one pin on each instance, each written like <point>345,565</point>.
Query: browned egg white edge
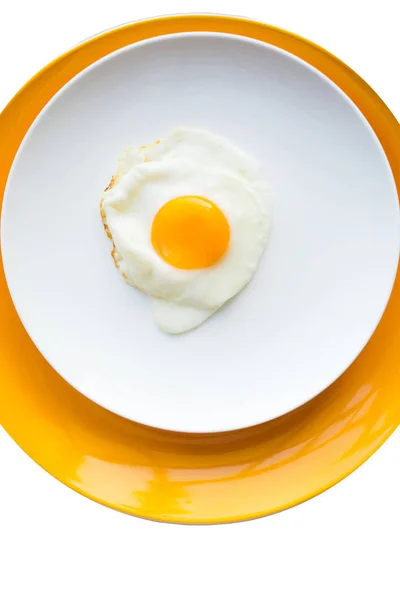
<point>116,256</point>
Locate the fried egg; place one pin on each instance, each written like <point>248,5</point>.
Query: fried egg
<point>189,220</point>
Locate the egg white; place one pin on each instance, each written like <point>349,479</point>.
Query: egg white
<point>186,163</point>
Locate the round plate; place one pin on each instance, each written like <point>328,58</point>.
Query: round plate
<point>185,477</point>
<point>319,291</point>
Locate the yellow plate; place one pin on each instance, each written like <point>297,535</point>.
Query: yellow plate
<point>183,477</point>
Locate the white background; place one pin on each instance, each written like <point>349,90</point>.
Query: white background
<point>55,544</point>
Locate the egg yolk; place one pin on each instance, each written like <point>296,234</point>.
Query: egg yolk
<point>190,232</point>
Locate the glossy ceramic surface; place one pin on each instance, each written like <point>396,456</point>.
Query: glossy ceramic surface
<point>321,286</point>
<point>183,477</point>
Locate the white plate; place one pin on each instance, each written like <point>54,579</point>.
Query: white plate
<point>323,283</point>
